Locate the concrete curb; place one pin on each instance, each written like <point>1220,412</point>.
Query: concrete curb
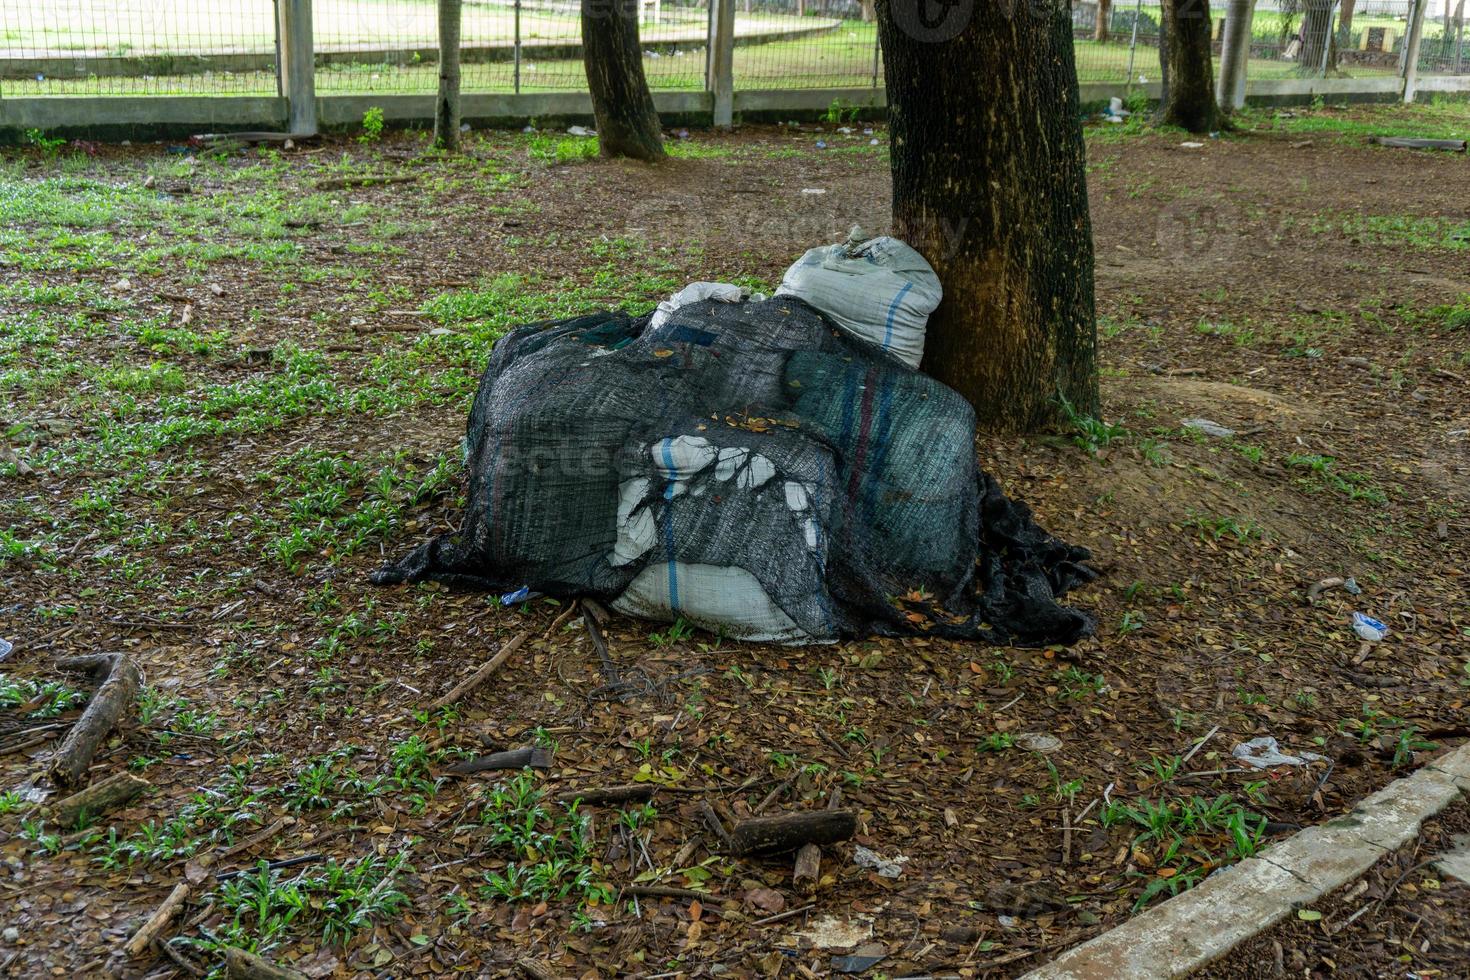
<point>1201,925</point>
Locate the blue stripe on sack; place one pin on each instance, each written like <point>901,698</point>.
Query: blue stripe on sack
<point>669,526</point>
<point>892,311</point>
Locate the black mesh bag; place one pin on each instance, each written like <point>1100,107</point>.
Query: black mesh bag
<point>749,468</point>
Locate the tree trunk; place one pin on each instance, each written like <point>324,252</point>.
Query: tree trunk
<point>1317,37</point>
<point>446,108</point>
<point>1104,11</point>
<point>995,197</point>
<point>627,122</point>
<point>1345,19</point>
<point>1190,100</point>
<point>867,8</point>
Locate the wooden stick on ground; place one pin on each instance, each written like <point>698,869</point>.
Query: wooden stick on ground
<point>144,937</point>
<point>560,621</point>
<point>116,694</point>
<point>240,965</point>
<point>480,676</point>
<point>101,795</point>
<point>789,831</point>
<point>609,795</point>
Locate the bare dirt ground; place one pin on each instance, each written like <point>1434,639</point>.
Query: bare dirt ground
<point>231,386</point>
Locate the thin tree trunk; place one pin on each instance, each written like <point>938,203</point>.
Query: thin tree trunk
<point>1190,100</point>
<point>627,122</point>
<point>1235,51</point>
<point>866,7</point>
<point>995,197</point>
<point>1345,19</point>
<point>446,107</point>
<point>1104,11</point>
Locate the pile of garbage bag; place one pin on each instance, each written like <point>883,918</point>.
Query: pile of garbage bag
<point>768,469</point>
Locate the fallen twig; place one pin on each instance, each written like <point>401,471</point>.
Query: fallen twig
<point>664,891</point>
<point>480,676</point>
<point>149,931</point>
<point>607,795</point>
<point>116,693</point>
<point>240,965</point>
<point>560,621</point>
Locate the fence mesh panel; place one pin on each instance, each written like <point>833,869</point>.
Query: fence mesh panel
<point>137,47</point>
<point>228,47</point>
<point>781,44</point>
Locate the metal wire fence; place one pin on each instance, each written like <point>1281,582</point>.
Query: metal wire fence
<point>229,47</point>
<point>782,44</point>
<point>137,47</point>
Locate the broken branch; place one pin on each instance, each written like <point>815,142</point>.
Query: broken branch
<point>240,965</point>
<point>144,937</point>
<point>480,676</point>
<point>116,693</point>
<point>100,796</point>
<point>790,831</point>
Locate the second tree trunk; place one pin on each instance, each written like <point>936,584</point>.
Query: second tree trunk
<point>627,122</point>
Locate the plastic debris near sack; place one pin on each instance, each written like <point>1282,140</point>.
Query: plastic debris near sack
<point>752,469</point>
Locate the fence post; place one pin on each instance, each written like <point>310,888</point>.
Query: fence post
<point>1327,42</point>
<point>1235,53</point>
<point>721,80</point>
<point>1133,46</point>
<point>518,47</point>
<point>297,64</point>
<point>1411,49</point>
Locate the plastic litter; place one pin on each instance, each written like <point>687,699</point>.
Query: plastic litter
<point>886,867</point>
<point>821,144</point>
<point>1368,628</point>
<point>5,648</point>
<point>580,131</point>
<point>1265,753</point>
<point>864,958</point>
<point>829,932</point>
<point>1191,145</point>
<point>697,292</point>
<point>1209,428</point>
<point>813,191</point>
<point>523,594</point>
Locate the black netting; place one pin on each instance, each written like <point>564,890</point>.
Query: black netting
<point>752,469</point>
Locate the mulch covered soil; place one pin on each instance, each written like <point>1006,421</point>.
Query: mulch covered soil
<point>222,404</point>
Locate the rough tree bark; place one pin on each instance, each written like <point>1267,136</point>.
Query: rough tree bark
<point>1190,97</point>
<point>446,107</point>
<point>1234,54</point>
<point>627,122</point>
<point>1317,38</point>
<point>1104,11</point>
<point>1345,18</point>
<point>989,185</point>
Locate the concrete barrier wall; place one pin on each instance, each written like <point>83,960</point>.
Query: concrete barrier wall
<point>156,117</point>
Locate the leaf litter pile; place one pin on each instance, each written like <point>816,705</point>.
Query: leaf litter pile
<point>234,381</point>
